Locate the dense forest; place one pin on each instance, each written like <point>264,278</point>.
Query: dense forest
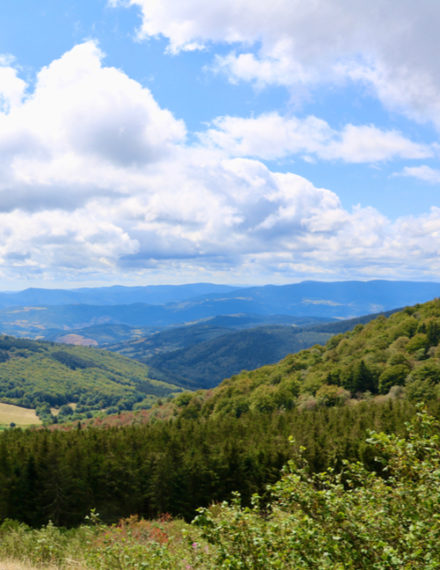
<point>355,518</point>
<point>177,465</point>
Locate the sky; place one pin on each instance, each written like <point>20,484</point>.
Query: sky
<point>235,141</point>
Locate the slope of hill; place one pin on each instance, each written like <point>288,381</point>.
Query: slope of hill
<point>201,355</point>
<point>399,353</point>
<point>42,375</point>
<point>205,364</point>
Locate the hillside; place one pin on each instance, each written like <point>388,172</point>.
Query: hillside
<point>201,355</point>
<point>205,364</point>
<point>234,437</point>
<point>400,353</point>
<point>98,335</point>
<point>42,375</point>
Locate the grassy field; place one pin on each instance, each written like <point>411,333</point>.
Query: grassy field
<point>17,415</point>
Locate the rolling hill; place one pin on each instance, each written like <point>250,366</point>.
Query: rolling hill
<point>400,354</point>
<point>201,355</point>
<point>205,364</point>
<point>44,375</point>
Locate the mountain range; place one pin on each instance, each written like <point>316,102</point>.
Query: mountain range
<point>33,312</point>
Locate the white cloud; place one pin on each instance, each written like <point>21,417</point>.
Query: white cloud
<point>390,48</point>
<point>97,178</point>
<point>12,88</point>
<point>423,172</point>
<point>272,136</point>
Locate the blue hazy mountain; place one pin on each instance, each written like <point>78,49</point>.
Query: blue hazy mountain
<point>115,295</point>
<point>194,303</point>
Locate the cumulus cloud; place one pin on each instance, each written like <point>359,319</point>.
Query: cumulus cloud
<point>392,49</point>
<point>272,136</point>
<point>97,178</point>
<point>73,136</point>
<point>12,88</point>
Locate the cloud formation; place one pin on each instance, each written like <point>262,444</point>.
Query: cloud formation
<point>390,48</point>
<point>423,172</point>
<point>272,136</point>
<point>97,178</point>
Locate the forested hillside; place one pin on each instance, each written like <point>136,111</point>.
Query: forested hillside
<point>75,380</point>
<point>203,354</point>
<point>206,364</point>
<point>399,353</point>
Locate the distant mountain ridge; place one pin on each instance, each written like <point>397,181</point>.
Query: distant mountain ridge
<point>378,294</point>
<point>112,295</point>
<point>156,307</point>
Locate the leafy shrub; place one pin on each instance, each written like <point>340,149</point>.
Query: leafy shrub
<point>330,395</point>
<point>392,376</point>
<point>355,519</point>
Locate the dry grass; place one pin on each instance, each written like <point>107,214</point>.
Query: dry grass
<point>20,416</point>
<point>8,564</point>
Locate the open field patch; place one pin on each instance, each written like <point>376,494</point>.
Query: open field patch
<point>17,415</point>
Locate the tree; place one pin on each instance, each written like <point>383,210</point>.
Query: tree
<point>355,519</point>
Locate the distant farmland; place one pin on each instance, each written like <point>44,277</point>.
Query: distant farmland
<point>17,415</point>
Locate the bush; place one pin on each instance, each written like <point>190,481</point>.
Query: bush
<point>355,519</point>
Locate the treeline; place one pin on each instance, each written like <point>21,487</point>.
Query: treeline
<point>178,465</point>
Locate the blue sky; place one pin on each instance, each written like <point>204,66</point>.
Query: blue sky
<point>146,141</point>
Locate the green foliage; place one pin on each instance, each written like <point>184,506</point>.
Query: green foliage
<point>401,350</point>
<point>354,519</point>
<point>392,376</point>
<point>72,361</point>
<point>40,375</point>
